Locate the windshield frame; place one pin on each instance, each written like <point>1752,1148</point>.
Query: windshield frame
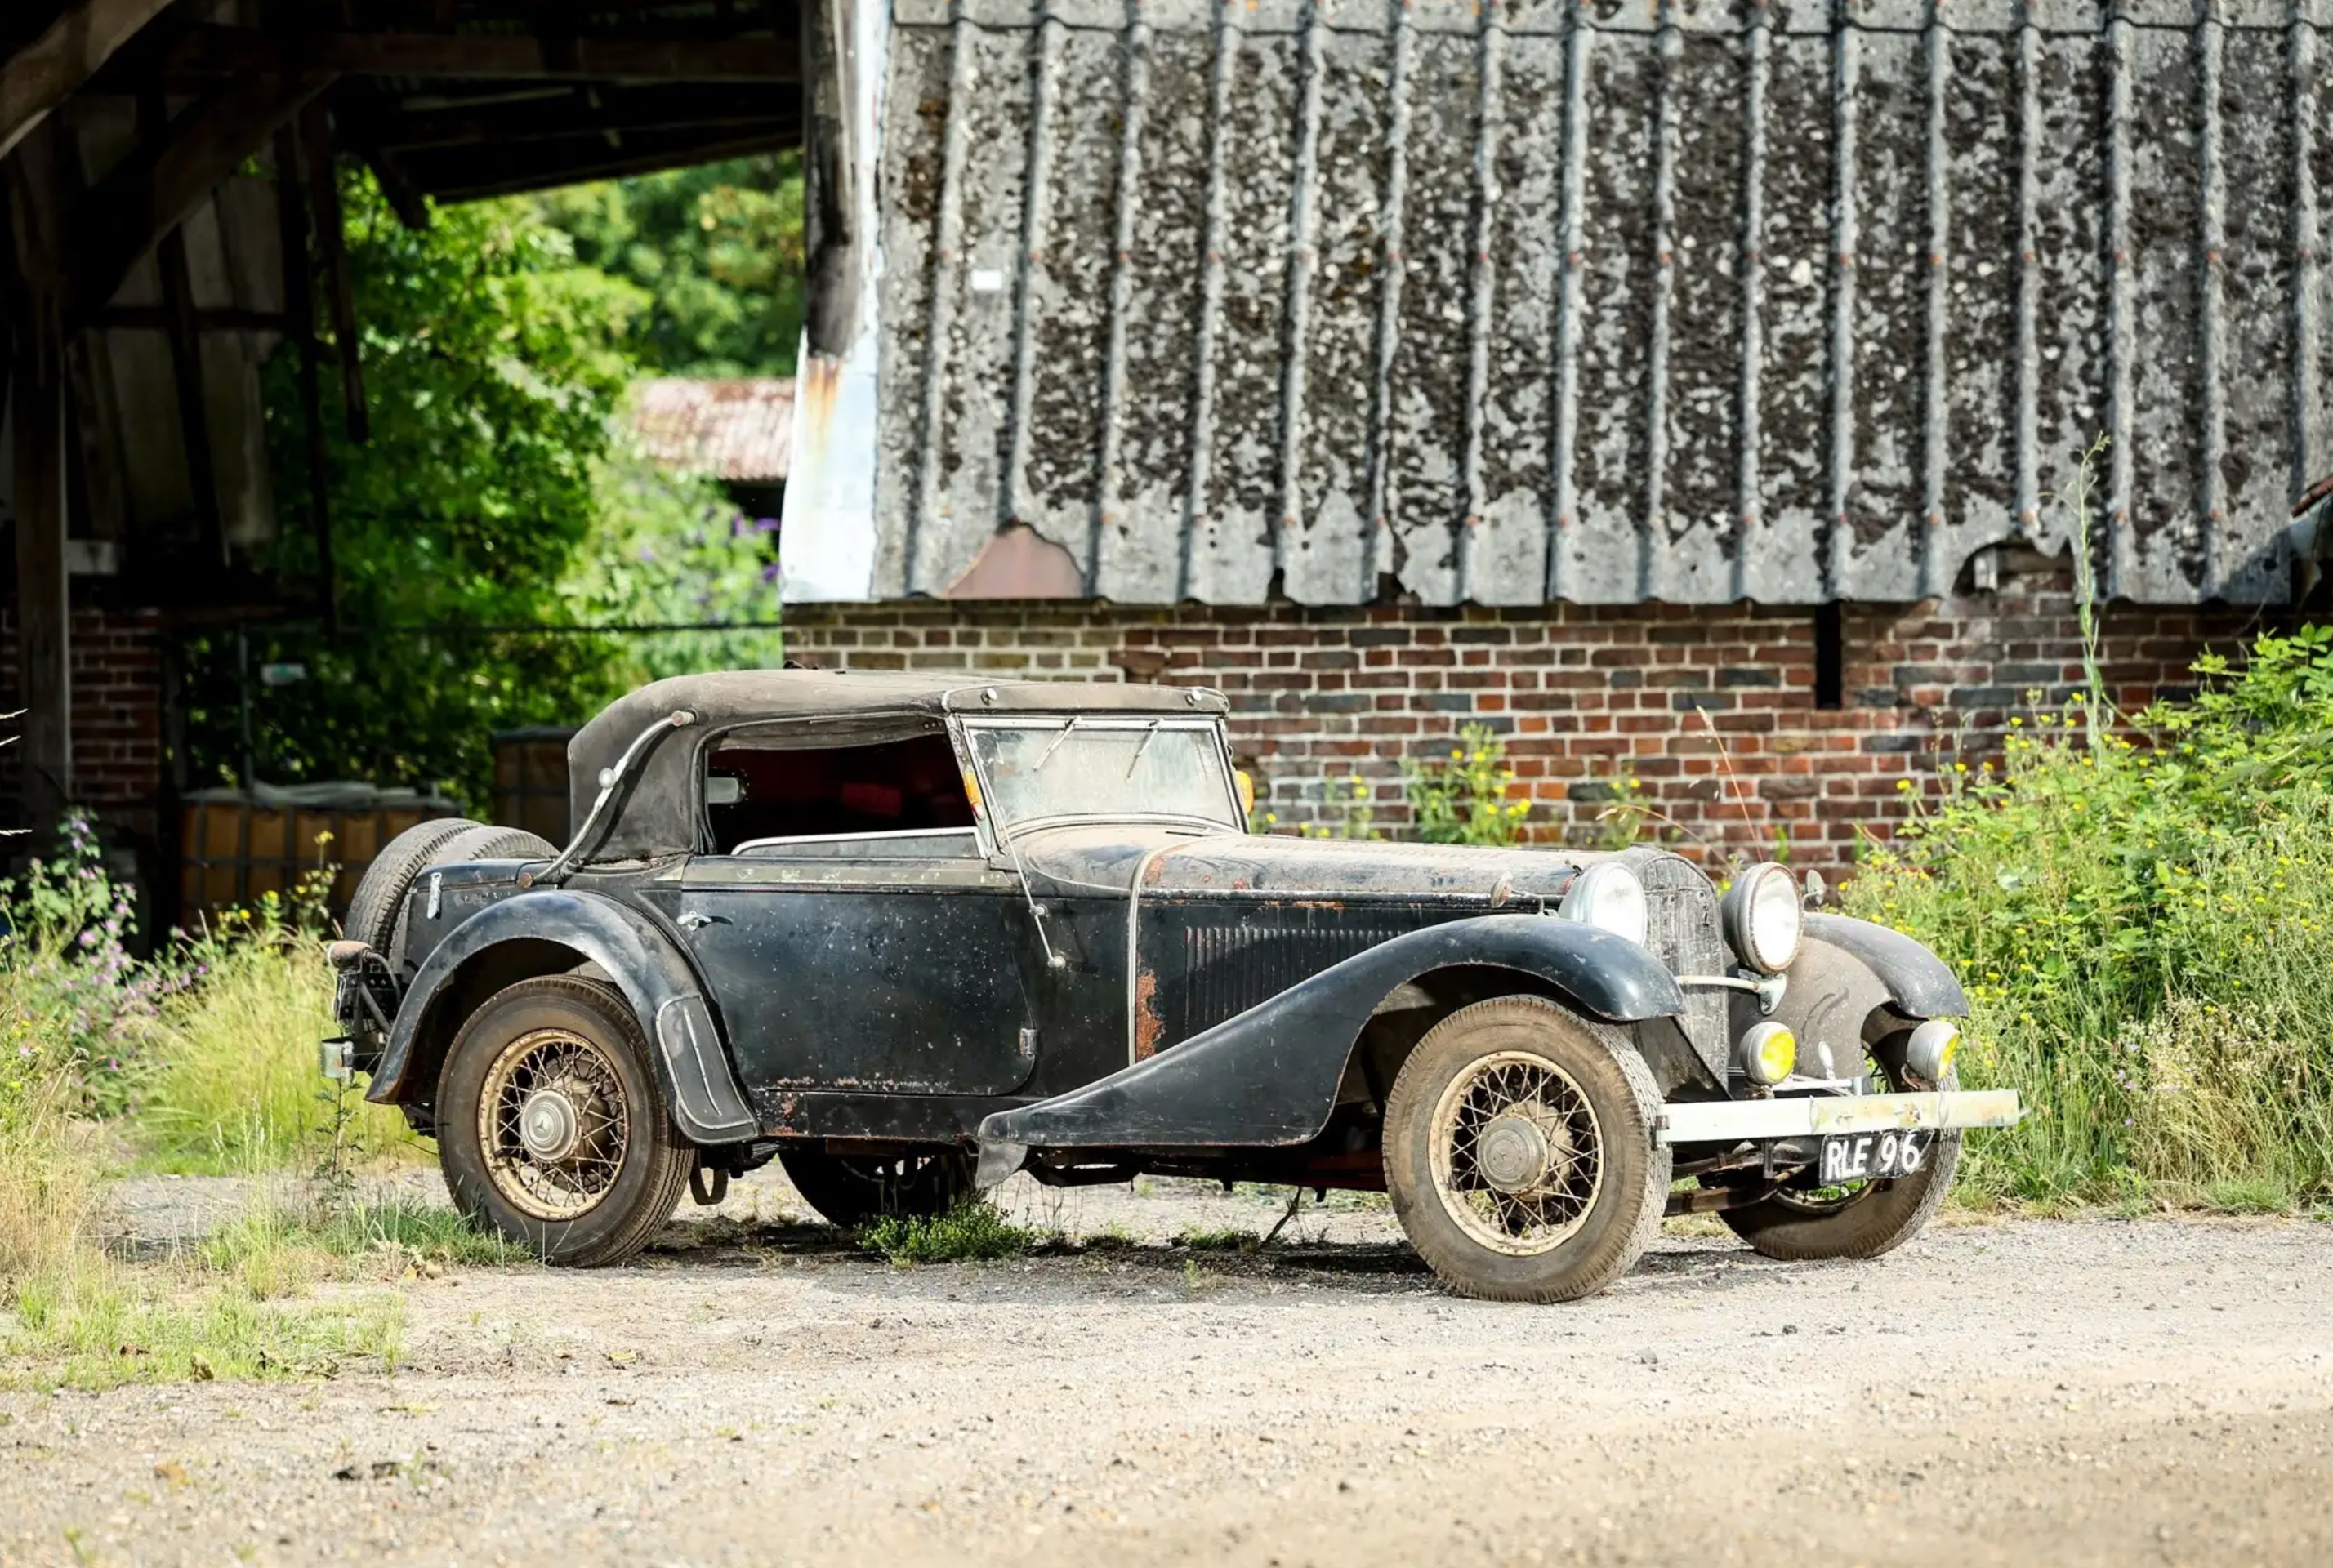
<point>1235,819</point>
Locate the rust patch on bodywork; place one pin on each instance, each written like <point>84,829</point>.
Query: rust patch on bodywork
<point>1148,1024</point>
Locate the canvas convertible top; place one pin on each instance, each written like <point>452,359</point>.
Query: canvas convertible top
<point>656,812</point>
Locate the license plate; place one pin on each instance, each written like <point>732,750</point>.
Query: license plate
<point>1874,1156</point>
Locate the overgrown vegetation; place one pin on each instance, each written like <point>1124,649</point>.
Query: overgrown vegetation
<point>204,1056</point>
<point>971,1232</point>
<point>497,507</point>
<point>1468,797</point>
<point>717,251</point>
<point>2144,918</point>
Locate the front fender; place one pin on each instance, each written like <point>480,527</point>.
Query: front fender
<point>1918,981</point>
<point>644,963</point>
<point>1270,1075</point>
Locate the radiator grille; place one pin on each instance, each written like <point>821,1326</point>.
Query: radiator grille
<point>1682,933</point>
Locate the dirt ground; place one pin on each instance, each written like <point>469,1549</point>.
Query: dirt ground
<point>752,1392</point>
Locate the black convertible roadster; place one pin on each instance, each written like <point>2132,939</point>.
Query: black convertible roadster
<point>910,935</point>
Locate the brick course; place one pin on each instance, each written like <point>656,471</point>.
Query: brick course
<point>1710,711</point>
<point>118,762</point>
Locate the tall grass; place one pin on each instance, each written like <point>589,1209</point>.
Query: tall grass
<point>2144,924</point>
<point>215,1049</point>
<point>231,1085</point>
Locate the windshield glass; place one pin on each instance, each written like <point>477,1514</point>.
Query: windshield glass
<point>1087,767</point>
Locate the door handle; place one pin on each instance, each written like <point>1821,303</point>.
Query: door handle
<point>697,920</point>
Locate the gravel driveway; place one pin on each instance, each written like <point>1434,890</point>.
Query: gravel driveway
<point>753,1393</point>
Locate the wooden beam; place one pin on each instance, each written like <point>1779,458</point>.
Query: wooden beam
<point>186,351</point>
<point>52,68</point>
<point>213,319</point>
<point>332,250</point>
<point>585,114</point>
<point>37,404</point>
<point>36,187</point>
<point>153,189</point>
<point>454,178</point>
<point>246,51</point>
<point>300,305</point>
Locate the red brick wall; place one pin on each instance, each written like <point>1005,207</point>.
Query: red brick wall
<point>117,716</point>
<point>1711,711</point>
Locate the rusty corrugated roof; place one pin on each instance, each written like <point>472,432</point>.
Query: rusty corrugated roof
<point>1608,301</point>
<point>738,430</point>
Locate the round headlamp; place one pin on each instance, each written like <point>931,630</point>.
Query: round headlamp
<point>1609,897</point>
<point>1763,918</point>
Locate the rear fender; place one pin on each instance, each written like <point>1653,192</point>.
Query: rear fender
<point>1270,1075</point>
<point>638,957</point>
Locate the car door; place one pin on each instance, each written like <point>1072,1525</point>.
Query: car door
<point>895,963</point>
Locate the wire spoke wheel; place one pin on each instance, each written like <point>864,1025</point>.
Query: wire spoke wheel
<point>553,1124</point>
<point>1517,1153</point>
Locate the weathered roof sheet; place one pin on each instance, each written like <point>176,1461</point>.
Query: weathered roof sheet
<point>1608,302</point>
<point>737,430</point>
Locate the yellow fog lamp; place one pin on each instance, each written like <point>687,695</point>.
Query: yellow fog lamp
<point>1928,1055</point>
<point>1767,1053</point>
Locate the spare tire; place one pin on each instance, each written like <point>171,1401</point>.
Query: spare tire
<point>474,842</point>
<point>380,893</point>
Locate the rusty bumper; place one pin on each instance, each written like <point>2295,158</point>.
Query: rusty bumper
<point>1814,1115</point>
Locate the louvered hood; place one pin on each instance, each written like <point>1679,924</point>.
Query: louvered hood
<point>1223,922</point>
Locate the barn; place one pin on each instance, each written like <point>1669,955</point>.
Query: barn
<point>1690,393</point>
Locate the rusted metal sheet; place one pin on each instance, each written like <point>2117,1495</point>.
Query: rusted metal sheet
<point>1601,301</point>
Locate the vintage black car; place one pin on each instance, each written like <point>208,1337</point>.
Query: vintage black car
<point>912,934</point>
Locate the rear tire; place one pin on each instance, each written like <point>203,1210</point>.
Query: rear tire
<point>1879,1218</point>
<point>1519,1153</point>
<point>476,841</point>
<point>380,892</point>
<point>847,1191</point>
<point>553,1129</point>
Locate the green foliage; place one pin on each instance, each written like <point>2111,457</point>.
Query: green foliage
<point>718,250</point>
<point>670,553</point>
<point>494,498</point>
<point>2145,927</point>
<point>1467,798</point>
<point>970,1232</point>
<point>231,1085</point>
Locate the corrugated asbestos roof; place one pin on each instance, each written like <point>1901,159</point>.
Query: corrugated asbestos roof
<point>1603,303</point>
<point>741,430</point>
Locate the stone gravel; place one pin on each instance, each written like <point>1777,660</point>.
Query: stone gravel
<point>752,1392</point>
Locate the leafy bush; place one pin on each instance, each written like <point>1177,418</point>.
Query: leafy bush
<point>2144,923</point>
<point>1469,797</point>
<point>970,1232</point>
<point>494,511</point>
<point>718,249</point>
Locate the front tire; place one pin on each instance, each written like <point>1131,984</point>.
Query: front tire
<point>551,1128</point>
<point>1519,1153</point>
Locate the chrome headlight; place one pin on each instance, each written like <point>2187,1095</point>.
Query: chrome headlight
<point>1763,918</point>
<point>1609,897</point>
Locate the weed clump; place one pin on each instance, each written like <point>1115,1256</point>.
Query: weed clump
<point>973,1232</point>
<point>1228,1239</point>
<point>2142,913</point>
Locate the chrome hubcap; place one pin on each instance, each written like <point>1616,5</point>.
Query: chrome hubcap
<point>548,1125</point>
<point>1512,1154</point>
